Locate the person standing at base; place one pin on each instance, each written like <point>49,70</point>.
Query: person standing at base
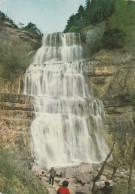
<point>63,189</point>
<point>52,175</point>
<point>107,189</point>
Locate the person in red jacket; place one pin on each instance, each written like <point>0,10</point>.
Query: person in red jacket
<point>63,189</point>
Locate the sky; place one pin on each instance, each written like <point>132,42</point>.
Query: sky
<point>48,15</point>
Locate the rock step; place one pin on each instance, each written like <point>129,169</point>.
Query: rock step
<point>15,106</point>
<point>15,98</point>
<point>16,113</point>
<point>15,118</point>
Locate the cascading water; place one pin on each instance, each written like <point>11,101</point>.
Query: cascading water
<point>68,124</point>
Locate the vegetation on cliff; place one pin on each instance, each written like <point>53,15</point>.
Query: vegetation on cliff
<point>119,17</point>
<point>5,18</point>
<point>14,59</point>
<point>17,46</point>
<point>94,12</point>
<point>15,178</point>
<point>120,27</point>
<point>30,27</point>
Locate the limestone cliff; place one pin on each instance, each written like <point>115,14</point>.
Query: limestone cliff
<point>15,119</point>
<point>15,109</point>
<point>111,73</point>
<point>8,33</point>
<point>11,40</point>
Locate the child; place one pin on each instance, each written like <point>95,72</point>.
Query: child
<point>63,189</point>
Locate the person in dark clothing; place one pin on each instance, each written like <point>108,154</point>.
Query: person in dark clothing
<point>107,189</point>
<point>63,189</point>
<point>52,175</point>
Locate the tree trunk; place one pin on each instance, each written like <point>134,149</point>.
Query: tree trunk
<point>114,172</point>
<point>101,170</point>
<point>131,172</point>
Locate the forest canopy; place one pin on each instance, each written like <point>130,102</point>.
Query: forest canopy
<point>92,13</point>
<point>119,16</point>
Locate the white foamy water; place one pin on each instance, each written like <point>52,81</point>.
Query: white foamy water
<point>68,124</point>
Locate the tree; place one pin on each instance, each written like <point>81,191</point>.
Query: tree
<point>120,27</point>
<point>98,10</point>
<point>32,28</point>
<point>94,11</point>
<point>97,177</point>
<point>87,3</point>
<point>81,12</point>
<point>70,23</point>
<point>2,16</point>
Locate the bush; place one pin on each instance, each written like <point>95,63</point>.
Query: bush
<point>120,26</point>
<point>15,178</point>
<point>121,188</point>
<point>114,38</point>
<point>4,18</point>
<point>33,29</point>
<point>14,59</point>
<point>75,29</point>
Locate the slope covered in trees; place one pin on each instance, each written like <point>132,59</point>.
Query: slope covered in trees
<point>92,13</point>
<point>119,16</point>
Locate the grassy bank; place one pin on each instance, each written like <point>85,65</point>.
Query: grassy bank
<point>15,178</point>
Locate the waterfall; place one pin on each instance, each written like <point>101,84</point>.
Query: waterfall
<point>68,124</point>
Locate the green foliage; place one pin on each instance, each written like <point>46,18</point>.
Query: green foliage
<point>123,152</point>
<point>121,188</point>
<point>3,18</point>
<point>120,26</point>
<point>119,16</point>
<point>15,178</point>
<point>131,98</point>
<point>32,28</point>
<point>74,29</point>
<point>123,158</point>
<point>114,38</point>
<point>76,22</point>
<point>97,11</point>
<point>14,59</point>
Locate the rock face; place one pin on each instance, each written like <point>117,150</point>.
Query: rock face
<point>16,114</point>
<point>15,109</point>
<point>112,76</point>
<point>8,33</point>
<point>91,37</point>
<point>111,73</point>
